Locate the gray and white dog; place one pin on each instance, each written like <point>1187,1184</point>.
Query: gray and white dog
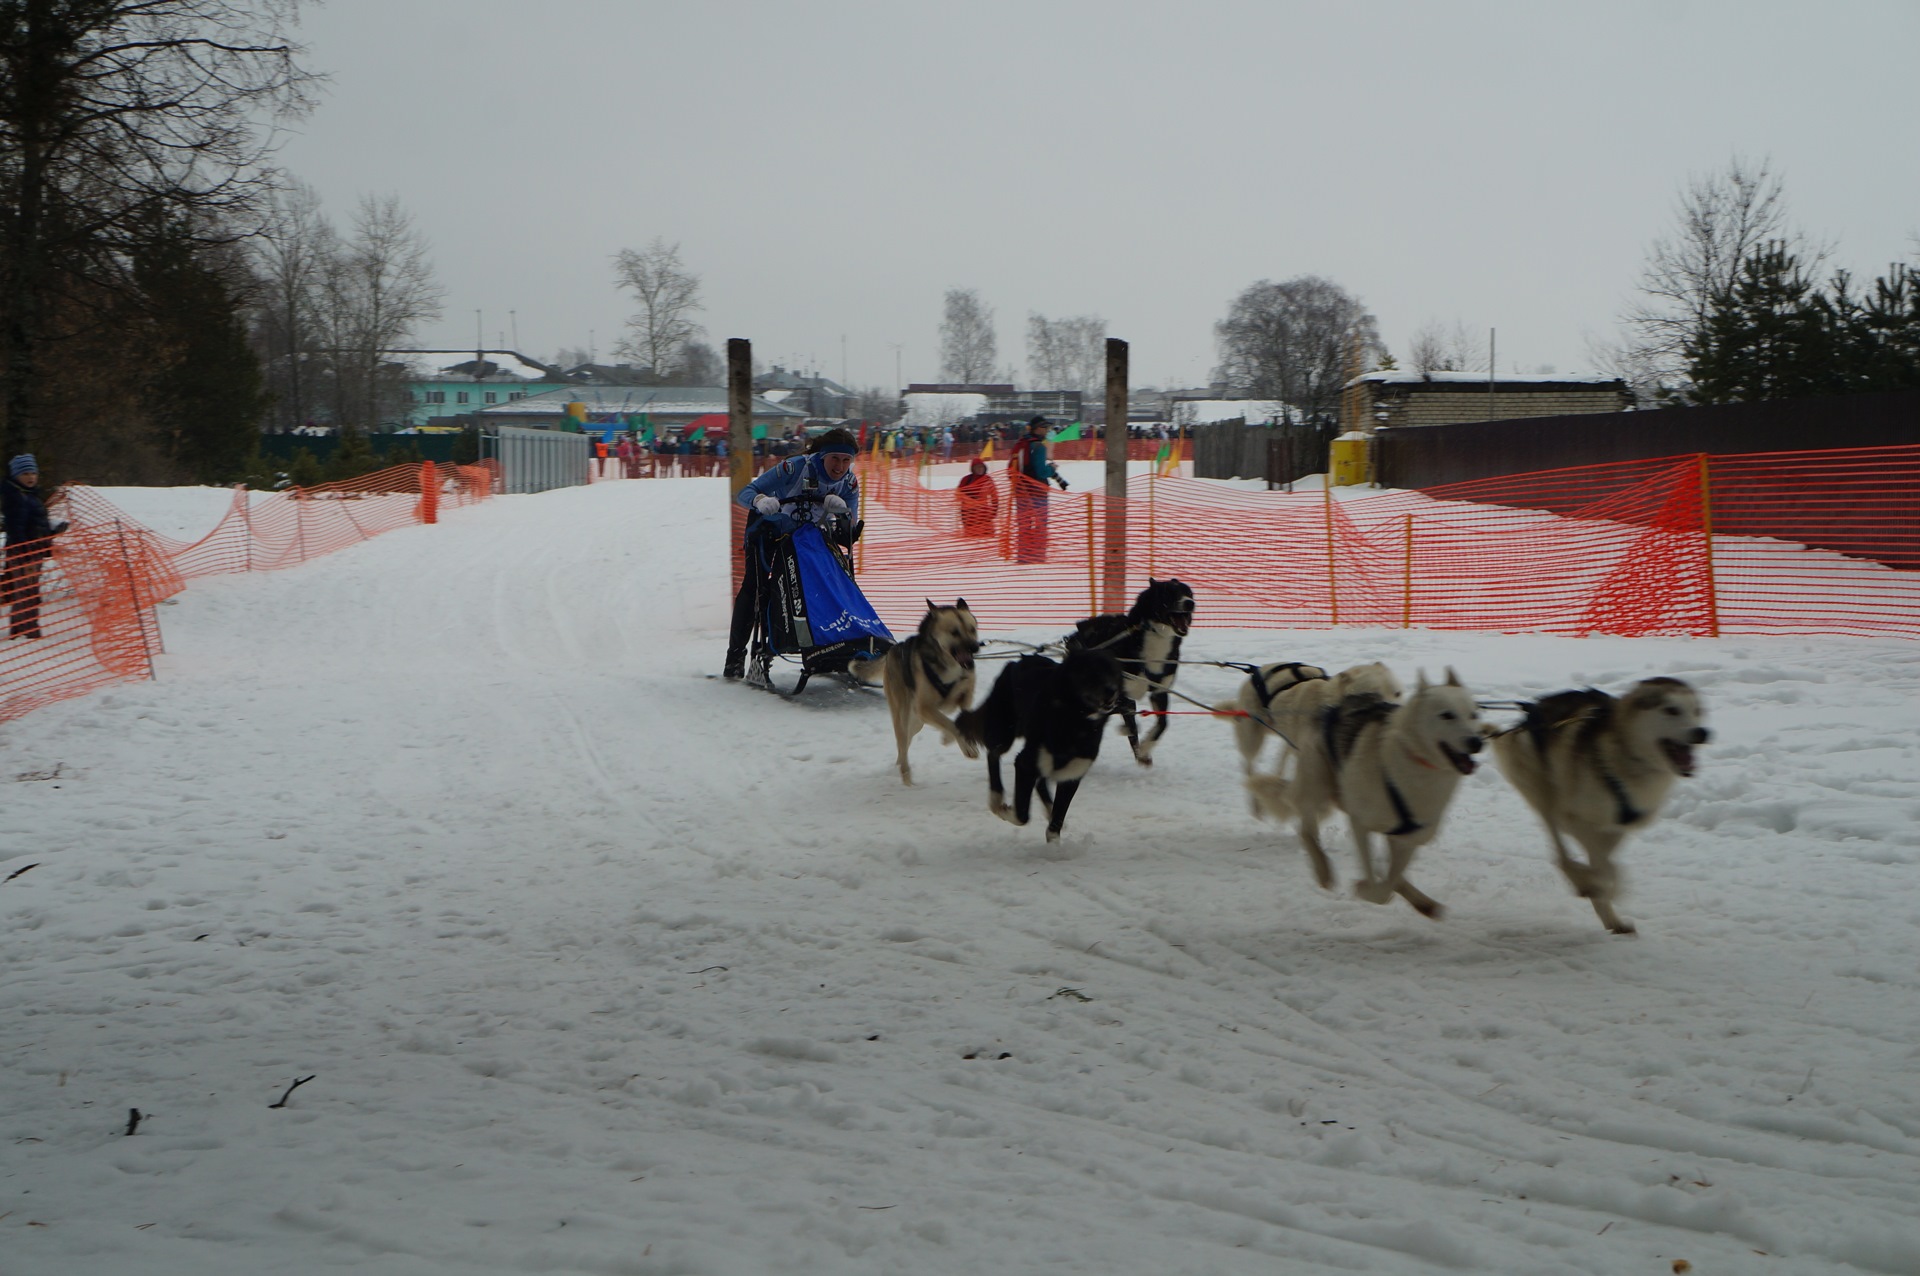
<point>1596,768</point>
<point>928,678</point>
<point>1392,768</point>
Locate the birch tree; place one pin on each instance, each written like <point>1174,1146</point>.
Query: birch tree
<point>967,346</point>
<point>668,295</point>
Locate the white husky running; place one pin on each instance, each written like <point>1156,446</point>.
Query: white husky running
<point>1285,700</point>
<point>1392,768</point>
<point>1598,768</point>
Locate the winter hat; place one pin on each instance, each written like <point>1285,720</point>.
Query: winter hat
<point>23,464</point>
<point>1038,422</point>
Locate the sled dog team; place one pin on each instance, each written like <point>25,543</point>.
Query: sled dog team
<point>1593,766</point>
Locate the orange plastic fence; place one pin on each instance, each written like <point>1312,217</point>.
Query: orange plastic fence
<point>1806,542</point>
<point>92,601</point>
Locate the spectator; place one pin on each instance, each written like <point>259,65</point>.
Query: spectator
<point>600,456</point>
<point>1031,471</point>
<point>29,545</point>
<point>979,503</point>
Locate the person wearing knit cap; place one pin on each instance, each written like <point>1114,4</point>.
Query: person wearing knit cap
<point>29,544</point>
<point>1030,463</point>
<point>825,478</point>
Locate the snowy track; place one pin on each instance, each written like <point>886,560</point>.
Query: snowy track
<point>600,966</point>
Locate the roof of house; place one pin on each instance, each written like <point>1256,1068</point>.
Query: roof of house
<point>459,365</point>
<point>1398,377</point>
<point>673,400</point>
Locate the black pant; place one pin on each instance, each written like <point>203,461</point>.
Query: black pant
<point>746,603</point>
<point>20,590</point>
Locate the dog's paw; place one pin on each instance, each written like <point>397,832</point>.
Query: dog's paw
<point>1373,892</point>
<point>969,749</point>
<point>1053,835</point>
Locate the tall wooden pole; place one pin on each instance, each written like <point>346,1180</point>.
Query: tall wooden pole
<point>739,443</point>
<point>1114,595</point>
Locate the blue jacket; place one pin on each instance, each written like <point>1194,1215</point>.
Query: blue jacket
<point>1034,463</point>
<point>791,478</point>
<point>26,521</point>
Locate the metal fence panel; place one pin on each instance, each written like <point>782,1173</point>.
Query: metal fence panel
<point>540,460</point>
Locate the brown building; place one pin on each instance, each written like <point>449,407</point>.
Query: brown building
<point>1445,398</point>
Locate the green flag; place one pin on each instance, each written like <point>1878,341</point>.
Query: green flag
<point>759,432</point>
<point>697,433</point>
<point>1069,434</point>
<point>1166,450</point>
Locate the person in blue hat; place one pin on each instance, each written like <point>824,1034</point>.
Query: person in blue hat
<point>29,545</point>
<point>824,475</point>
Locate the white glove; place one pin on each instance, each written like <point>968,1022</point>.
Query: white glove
<point>767,504</point>
<point>834,504</point>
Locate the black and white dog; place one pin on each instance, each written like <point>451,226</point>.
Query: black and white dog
<point>1146,642</point>
<point>1061,711</point>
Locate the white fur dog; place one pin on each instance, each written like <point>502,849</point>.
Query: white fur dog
<point>1290,710</point>
<point>1597,768</point>
<point>1392,768</point>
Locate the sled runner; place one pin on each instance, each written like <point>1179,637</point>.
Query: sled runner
<point>810,608</point>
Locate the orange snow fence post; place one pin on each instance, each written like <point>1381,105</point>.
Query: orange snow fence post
<point>96,595</point>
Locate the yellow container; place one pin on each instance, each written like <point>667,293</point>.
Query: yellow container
<point>1351,459</point>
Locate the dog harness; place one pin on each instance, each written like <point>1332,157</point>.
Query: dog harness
<point>1339,729</point>
<point>1589,711</point>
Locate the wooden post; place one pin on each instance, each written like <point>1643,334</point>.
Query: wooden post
<point>1115,573</point>
<point>1706,527</point>
<point>739,442</point>
<point>1093,562</point>
<point>1406,609</point>
<point>1333,562</point>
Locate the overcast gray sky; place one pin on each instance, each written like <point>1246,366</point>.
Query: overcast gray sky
<point>830,168</point>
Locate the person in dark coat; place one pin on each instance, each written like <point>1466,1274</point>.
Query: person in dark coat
<point>1031,470</point>
<point>29,545</point>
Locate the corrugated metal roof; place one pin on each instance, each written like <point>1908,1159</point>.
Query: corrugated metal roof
<point>676,400</point>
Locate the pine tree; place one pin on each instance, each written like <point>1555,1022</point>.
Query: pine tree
<point>1771,335</point>
<point>205,394</point>
<point>303,470</point>
<point>353,456</point>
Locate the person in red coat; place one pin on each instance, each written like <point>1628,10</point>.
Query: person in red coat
<point>979,503</point>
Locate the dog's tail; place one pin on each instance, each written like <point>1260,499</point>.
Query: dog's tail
<point>1228,709</point>
<point>872,670</point>
<point>971,727</point>
<point>1272,798</point>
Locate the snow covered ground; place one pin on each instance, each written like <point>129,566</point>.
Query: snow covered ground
<point>596,965</point>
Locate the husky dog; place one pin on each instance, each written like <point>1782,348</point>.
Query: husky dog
<point>1146,642</point>
<point>1272,706</point>
<point>1597,768</point>
<point>1060,710</point>
<point>929,676</point>
<point>1392,768</point>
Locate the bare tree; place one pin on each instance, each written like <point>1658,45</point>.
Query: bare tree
<point>1445,347</point>
<point>376,289</point>
<point>110,111</point>
<point>1720,220</point>
<point>668,295</point>
<point>1066,354</point>
<point>1293,341</point>
<point>290,262</point>
<point>967,346</point>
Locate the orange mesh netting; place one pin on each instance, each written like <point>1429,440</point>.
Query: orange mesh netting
<point>92,601</point>
<point>1808,542</point>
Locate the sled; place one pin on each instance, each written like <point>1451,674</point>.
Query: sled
<point>811,611</point>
